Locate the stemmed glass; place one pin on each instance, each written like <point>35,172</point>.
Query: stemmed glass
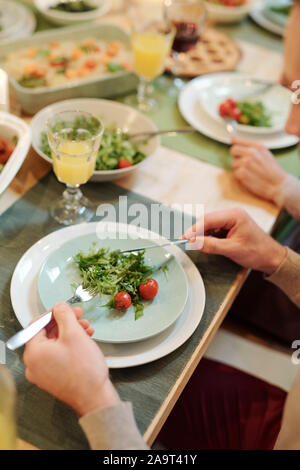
<point>74,138</point>
<point>151,45</point>
<point>189,18</point>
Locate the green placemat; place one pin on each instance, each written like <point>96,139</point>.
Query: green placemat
<point>42,420</point>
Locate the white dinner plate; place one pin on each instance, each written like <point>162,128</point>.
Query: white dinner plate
<point>257,15</point>
<point>10,127</point>
<point>18,21</point>
<point>277,101</point>
<point>195,114</point>
<point>111,113</point>
<point>26,302</point>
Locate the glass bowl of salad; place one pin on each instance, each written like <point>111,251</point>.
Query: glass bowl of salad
<point>228,11</point>
<point>64,13</point>
<point>118,155</point>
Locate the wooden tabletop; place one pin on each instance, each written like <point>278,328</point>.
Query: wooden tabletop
<point>180,179</point>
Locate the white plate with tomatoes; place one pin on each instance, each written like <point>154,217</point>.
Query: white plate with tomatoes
<point>188,312</point>
<point>256,107</point>
<point>112,114</point>
<point>15,139</point>
<point>193,111</point>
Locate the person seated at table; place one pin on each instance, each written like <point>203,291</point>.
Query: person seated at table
<point>260,305</point>
<point>220,408</point>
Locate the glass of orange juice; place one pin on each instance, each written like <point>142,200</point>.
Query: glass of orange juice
<point>74,138</point>
<point>8,439</point>
<point>151,44</point>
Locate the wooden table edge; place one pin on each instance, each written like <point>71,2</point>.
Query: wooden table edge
<point>169,402</point>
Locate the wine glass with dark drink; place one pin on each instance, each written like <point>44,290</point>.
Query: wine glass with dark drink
<point>188,17</point>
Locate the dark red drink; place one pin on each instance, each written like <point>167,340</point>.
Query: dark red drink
<point>187,35</point>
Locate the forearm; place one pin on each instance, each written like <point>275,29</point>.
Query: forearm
<point>287,276</point>
<point>288,195</point>
<point>112,428</point>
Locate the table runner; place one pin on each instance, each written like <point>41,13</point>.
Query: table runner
<point>168,115</point>
<point>42,420</point>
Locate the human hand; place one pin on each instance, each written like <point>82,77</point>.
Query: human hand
<point>256,168</point>
<point>245,242</point>
<point>65,362</point>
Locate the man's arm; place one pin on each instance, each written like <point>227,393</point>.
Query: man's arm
<point>287,277</point>
<point>248,245</point>
<point>112,428</point>
<point>66,363</point>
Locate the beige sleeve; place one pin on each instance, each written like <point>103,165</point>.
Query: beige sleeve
<point>288,196</point>
<point>289,435</point>
<point>287,276</point>
<point>112,428</point>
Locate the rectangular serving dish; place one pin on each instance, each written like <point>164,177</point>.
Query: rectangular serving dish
<point>106,86</point>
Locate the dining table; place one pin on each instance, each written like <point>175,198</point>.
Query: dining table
<point>186,170</point>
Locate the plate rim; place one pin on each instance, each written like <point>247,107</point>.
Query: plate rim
<point>257,16</point>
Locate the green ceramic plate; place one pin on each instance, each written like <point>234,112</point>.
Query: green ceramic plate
<point>276,16</point>
<point>59,272</point>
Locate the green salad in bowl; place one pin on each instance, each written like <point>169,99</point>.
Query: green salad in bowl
<point>119,155</point>
<point>116,150</point>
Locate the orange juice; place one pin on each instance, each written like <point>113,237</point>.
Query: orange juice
<point>150,50</point>
<point>74,162</point>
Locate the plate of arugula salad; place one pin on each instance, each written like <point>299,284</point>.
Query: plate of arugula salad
<point>138,295</point>
<point>26,301</point>
<point>117,156</point>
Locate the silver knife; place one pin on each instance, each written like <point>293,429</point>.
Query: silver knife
<point>177,242</point>
<point>20,338</point>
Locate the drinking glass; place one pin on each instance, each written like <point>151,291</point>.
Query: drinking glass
<point>74,138</point>
<point>8,437</point>
<point>189,18</point>
<point>151,44</point>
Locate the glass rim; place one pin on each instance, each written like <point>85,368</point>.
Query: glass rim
<point>171,31</point>
<point>92,138</point>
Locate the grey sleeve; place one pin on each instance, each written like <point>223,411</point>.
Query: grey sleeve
<point>287,276</point>
<point>112,428</point>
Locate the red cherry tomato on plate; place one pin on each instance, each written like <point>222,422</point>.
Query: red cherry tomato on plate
<point>231,102</point>
<point>122,301</point>
<point>149,289</point>
<point>236,114</point>
<point>123,163</point>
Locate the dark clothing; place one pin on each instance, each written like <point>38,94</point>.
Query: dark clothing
<point>222,408</point>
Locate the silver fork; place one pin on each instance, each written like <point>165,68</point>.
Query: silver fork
<point>23,336</point>
<point>170,132</point>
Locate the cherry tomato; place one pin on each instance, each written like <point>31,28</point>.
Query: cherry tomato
<point>231,102</point>
<point>236,114</point>
<point>149,290</point>
<point>123,163</point>
<point>223,109</point>
<point>122,301</point>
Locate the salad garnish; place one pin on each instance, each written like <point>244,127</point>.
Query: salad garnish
<point>246,112</point>
<point>125,277</point>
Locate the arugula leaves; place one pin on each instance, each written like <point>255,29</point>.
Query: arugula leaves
<point>109,272</point>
